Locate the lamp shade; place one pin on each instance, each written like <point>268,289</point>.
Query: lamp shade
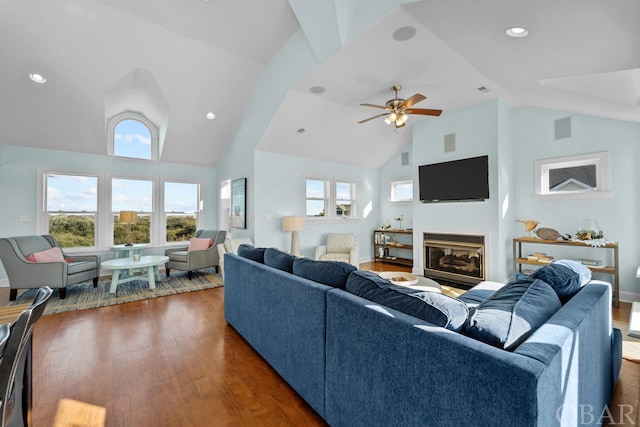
<point>292,223</point>
<point>128,217</point>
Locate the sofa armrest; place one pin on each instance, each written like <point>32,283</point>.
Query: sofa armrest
<point>353,255</point>
<point>320,250</point>
<point>181,248</point>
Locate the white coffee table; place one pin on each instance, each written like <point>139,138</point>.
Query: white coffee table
<point>121,266</point>
<point>411,281</point>
<point>128,251</point>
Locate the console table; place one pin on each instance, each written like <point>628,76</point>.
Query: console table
<point>519,260</point>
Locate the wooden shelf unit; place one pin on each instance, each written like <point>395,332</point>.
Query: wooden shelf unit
<point>519,260</point>
<point>395,243</point>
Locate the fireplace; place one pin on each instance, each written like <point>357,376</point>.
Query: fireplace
<point>454,258</point>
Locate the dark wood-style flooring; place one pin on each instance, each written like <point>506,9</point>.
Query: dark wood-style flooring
<point>174,361</point>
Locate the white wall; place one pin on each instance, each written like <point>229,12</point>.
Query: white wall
<point>392,171</point>
<point>619,216</point>
<point>280,192</point>
<point>478,133</point>
<point>19,175</point>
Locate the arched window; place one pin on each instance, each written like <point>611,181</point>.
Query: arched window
<point>132,135</point>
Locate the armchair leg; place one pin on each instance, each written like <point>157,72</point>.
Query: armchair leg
<point>95,282</point>
<point>190,274</point>
<point>62,292</point>
<point>166,270</point>
<point>217,267</point>
<point>13,294</point>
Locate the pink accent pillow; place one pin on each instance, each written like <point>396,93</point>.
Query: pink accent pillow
<point>50,255</point>
<point>199,244</point>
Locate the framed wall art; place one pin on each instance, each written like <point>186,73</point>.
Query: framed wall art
<point>239,203</point>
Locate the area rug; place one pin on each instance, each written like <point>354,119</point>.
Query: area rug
<point>630,345</point>
<point>84,296</point>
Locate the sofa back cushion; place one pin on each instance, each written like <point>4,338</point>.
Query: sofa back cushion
<point>340,242</point>
<point>436,308</point>
<point>249,252</point>
<point>565,281</point>
<point>31,244</point>
<point>331,273</point>
<point>513,313</point>
<point>277,259</point>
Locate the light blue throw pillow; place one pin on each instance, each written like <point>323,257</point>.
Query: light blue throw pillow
<point>434,307</point>
<point>513,313</point>
<point>578,267</point>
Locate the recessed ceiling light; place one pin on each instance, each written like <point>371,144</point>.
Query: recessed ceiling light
<point>210,115</point>
<point>404,33</point>
<point>516,32</point>
<point>316,89</point>
<point>301,130</point>
<point>37,78</point>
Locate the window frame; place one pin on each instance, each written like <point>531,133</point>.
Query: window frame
<point>42,221</point>
<point>132,115</point>
<point>199,204</point>
<point>601,160</point>
<point>330,199</point>
<point>152,218</point>
<point>104,217</point>
<point>393,184</point>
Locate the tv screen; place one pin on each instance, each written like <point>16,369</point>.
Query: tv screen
<point>457,180</point>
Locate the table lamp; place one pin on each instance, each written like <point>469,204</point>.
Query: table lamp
<point>293,224</point>
<point>128,217</point>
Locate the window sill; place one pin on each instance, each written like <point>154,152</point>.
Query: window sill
<point>575,196</point>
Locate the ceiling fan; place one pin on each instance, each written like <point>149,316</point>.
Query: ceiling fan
<point>397,109</point>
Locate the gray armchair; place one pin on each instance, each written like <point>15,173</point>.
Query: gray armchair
<point>182,259</point>
<point>24,274</point>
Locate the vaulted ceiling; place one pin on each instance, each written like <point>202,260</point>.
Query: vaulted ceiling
<point>580,57</point>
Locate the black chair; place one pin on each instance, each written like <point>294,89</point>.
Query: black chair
<point>15,366</point>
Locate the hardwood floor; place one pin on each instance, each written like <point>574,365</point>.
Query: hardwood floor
<point>174,361</point>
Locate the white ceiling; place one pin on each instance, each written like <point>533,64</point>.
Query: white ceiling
<point>581,56</point>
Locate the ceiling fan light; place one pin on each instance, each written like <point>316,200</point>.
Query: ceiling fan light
<point>403,117</point>
<point>393,116</point>
<point>388,120</point>
<point>399,123</point>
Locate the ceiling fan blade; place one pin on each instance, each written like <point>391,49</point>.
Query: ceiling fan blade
<point>375,106</point>
<point>374,117</point>
<point>423,111</point>
<point>414,100</point>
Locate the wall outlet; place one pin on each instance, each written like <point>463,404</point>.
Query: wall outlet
<point>23,218</point>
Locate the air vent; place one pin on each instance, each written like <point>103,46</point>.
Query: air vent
<point>450,143</point>
<point>404,159</point>
<point>563,128</point>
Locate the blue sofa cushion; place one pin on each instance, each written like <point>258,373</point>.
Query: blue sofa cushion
<point>436,308</point>
<point>578,267</point>
<point>562,279</point>
<point>513,313</point>
<point>277,259</point>
<point>331,273</point>
<point>249,252</point>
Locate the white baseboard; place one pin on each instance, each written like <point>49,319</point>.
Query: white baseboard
<point>629,297</point>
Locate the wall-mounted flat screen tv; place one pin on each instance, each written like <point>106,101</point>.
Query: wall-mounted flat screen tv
<point>455,181</point>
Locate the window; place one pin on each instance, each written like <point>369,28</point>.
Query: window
<point>572,177</point>
<point>317,198</point>
<point>132,195</point>
<point>345,199</point>
<point>70,209</point>
<point>180,210</point>
<point>83,210</point>
<point>401,190</point>
<point>132,135</point>
<point>322,193</point>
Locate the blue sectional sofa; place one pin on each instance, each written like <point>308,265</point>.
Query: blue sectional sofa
<point>361,363</point>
